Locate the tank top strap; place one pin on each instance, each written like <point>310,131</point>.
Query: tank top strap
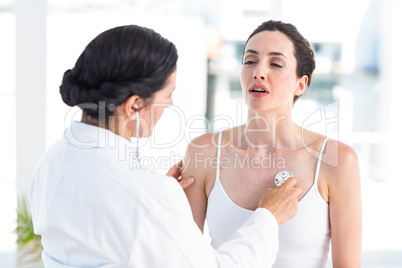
<point>218,156</point>
<point>317,171</point>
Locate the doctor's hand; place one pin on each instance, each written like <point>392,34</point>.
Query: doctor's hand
<point>175,172</point>
<point>282,201</point>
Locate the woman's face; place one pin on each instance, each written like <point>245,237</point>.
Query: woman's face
<point>268,75</point>
<point>153,111</point>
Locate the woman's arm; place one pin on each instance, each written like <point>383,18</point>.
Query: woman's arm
<point>175,172</point>
<point>345,206</point>
<point>197,163</point>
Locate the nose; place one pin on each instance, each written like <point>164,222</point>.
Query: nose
<point>260,73</point>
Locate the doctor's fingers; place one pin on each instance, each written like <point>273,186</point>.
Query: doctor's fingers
<point>292,183</point>
<point>175,171</point>
<point>185,183</point>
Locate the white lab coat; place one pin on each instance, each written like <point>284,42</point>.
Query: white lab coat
<point>95,207</point>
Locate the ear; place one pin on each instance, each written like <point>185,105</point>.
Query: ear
<point>302,85</point>
<point>128,106</point>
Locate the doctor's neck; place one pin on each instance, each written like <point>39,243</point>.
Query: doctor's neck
<point>114,125</point>
<point>87,119</point>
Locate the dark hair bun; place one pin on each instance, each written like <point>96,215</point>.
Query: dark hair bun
<point>75,93</point>
<point>69,89</point>
<point>118,63</point>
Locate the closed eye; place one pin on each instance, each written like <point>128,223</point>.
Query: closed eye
<point>249,62</point>
<point>276,65</point>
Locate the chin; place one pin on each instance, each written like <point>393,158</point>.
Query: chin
<point>257,108</point>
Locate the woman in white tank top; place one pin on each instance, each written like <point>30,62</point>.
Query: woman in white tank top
<point>235,166</point>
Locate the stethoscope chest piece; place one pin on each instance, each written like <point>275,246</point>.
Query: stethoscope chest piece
<point>282,176</point>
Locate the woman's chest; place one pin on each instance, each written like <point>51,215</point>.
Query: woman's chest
<point>245,176</point>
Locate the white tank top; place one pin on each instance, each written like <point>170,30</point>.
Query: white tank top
<point>303,240</point>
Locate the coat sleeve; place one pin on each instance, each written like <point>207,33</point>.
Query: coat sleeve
<point>171,238</point>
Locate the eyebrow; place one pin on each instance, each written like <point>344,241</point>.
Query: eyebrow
<point>271,53</point>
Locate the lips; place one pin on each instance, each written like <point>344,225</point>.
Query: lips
<point>258,91</point>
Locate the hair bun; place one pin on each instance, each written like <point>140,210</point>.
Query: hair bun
<point>69,89</point>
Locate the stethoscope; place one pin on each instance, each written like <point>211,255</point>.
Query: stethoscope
<point>137,129</point>
<point>282,176</point>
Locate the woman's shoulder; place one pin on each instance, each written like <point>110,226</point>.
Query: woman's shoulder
<point>205,139</point>
<point>336,154</point>
<point>339,155</point>
<point>339,161</point>
<point>333,147</point>
<point>208,143</point>
<point>340,165</point>
<point>205,143</point>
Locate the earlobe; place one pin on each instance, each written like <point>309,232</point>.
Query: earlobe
<point>299,91</point>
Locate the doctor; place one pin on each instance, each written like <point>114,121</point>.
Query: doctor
<point>91,201</point>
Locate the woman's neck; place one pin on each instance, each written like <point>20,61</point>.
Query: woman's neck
<point>271,130</point>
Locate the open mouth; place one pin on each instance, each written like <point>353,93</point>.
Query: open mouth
<point>259,90</point>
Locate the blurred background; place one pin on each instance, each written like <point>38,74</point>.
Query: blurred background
<point>354,96</point>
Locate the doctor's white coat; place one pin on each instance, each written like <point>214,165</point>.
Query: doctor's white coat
<point>94,206</point>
